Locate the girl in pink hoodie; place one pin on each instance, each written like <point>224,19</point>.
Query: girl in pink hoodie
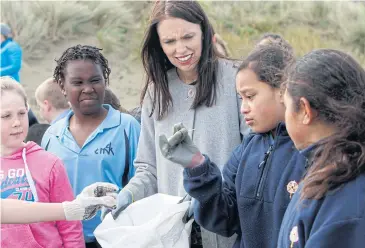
<point>31,174</point>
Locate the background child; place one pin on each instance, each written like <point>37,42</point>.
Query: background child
<point>52,103</point>
<point>29,173</point>
<point>96,142</point>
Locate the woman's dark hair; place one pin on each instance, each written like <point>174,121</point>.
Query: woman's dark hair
<point>156,63</point>
<point>268,63</point>
<point>81,52</point>
<point>334,85</point>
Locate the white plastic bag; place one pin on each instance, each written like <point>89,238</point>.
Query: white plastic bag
<point>153,222</point>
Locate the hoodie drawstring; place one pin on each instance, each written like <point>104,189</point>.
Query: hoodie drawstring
<point>29,177</point>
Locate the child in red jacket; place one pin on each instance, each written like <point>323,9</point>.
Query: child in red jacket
<point>29,173</point>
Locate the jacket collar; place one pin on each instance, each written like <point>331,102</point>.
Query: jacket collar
<point>112,119</point>
<point>6,42</point>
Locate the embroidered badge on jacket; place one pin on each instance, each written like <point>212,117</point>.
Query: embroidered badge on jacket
<point>293,236</point>
<point>292,187</point>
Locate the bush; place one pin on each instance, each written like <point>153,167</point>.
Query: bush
<point>39,24</point>
<point>119,25</point>
<point>306,25</point>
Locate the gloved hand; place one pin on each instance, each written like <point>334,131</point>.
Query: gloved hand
<point>124,199</point>
<point>90,200</point>
<point>180,149</point>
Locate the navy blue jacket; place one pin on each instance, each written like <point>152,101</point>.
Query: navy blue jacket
<point>252,197</point>
<point>335,221</point>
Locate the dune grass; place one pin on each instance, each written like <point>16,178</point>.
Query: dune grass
<point>40,24</point>
<point>306,25</point>
<point>119,25</point>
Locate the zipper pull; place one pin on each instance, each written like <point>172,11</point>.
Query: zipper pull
<point>262,162</point>
<point>266,156</point>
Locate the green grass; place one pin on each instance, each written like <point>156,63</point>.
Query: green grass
<point>40,24</point>
<point>306,25</point>
<point>119,25</point>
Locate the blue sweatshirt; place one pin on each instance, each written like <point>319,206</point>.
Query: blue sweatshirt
<point>252,197</point>
<point>335,221</point>
<point>11,59</point>
<point>106,156</point>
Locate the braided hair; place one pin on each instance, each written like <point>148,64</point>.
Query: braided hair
<point>81,52</point>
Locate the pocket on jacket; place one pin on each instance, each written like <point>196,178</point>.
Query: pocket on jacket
<point>248,177</point>
<point>15,236</point>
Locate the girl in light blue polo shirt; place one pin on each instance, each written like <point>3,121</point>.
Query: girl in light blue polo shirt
<point>95,141</point>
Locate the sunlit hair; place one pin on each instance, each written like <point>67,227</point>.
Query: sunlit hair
<point>10,84</point>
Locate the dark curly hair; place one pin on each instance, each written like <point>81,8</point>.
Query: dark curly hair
<point>269,63</point>
<point>334,85</point>
<point>81,52</point>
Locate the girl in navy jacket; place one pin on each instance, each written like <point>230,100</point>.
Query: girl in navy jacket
<point>262,173</point>
<point>325,117</point>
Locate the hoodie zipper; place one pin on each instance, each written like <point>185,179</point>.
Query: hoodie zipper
<point>264,171</point>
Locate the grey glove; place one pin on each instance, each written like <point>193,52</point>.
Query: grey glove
<point>180,149</point>
<point>124,199</point>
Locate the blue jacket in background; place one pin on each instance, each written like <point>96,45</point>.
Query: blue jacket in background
<point>11,59</point>
<point>252,197</point>
<point>335,221</point>
<point>106,156</point>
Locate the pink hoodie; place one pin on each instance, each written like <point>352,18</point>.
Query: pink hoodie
<point>32,174</point>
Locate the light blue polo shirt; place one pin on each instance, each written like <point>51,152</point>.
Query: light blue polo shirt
<point>60,116</point>
<point>103,157</point>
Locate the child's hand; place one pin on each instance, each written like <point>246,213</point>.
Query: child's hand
<point>90,201</point>
<point>180,149</point>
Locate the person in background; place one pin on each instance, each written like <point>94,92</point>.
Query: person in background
<point>52,103</point>
<point>111,99</point>
<point>11,60</point>
<point>53,106</point>
<point>96,142</point>
<point>221,46</point>
<point>187,81</point>
<point>11,53</point>
<point>271,38</point>
<point>325,117</point>
<point>84,207</point>
<point>30,173</point>
<point>136,113</point>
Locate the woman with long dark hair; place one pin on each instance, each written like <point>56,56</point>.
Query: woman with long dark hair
<point>189,82</point>
<point>325,117</point>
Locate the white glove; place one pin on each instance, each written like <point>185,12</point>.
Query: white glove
<point>90,201</point>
